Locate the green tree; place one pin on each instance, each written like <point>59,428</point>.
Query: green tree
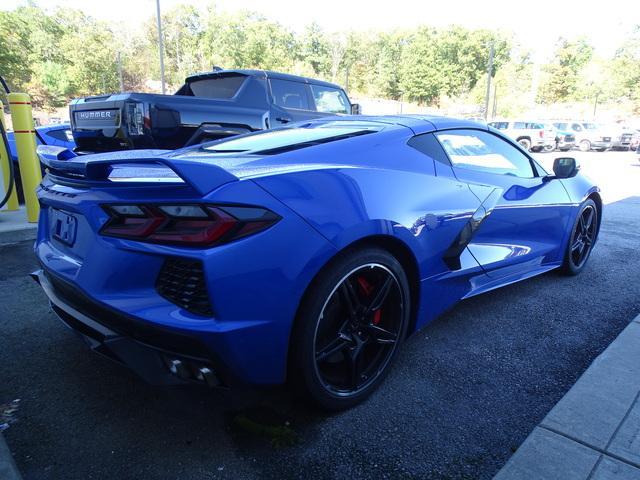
<point>560,79</point>
<point>625,70</point>
<point>315,50</point>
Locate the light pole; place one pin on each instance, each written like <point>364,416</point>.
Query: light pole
<point>160,45</point>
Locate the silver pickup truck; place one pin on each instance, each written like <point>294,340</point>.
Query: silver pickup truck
<point>530,135</point>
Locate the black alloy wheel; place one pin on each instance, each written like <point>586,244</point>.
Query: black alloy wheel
<point>352,324</point>
<point>583,237</point>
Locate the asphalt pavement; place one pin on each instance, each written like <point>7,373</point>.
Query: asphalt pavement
<point>464,394</point>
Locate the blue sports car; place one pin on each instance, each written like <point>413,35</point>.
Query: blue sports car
<point>303,255</point>
<point>58,135</point>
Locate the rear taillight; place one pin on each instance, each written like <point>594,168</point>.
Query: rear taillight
<point>135,118</point>
<point>190,225</point>
<point>541,133</point>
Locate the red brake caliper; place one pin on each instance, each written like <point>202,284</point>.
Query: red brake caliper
<point>367,288</point>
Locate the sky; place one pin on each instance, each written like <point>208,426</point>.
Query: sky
<point>536,23</point>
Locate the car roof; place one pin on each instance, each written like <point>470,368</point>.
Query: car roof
<point>419,123</point>
<point>263,74</point>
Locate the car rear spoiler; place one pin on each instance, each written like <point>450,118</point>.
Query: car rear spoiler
<point>135,167</point>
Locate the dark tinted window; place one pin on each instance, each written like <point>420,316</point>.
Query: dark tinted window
<point>484,152</point>
<point>499,125</point>
<point>290,94</point>
<point>428,145</point>
<point>269,142</point>
<point>223,87</point>
<point>330,100</point>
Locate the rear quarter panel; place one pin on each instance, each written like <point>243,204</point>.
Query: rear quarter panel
<point>397,194</point>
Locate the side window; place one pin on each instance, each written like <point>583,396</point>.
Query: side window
<point>290,94</point>
<point>500,125</point>
<point>577,127</point>
<point>484,152</point>
<point>330,100</point>
<point>520,125</point>
<point>427,144</point>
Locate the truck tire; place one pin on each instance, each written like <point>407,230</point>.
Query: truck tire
<point>525,143</point>
<point>585,145</point>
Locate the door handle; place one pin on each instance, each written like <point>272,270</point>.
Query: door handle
<point>283,119</point>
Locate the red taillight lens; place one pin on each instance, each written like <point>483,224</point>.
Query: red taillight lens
<point>541,133</point>
<point>191,225</point>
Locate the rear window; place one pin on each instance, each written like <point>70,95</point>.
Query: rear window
<point>222,87</point>
<point>283,140</point>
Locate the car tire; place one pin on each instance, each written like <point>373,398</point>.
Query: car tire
<point>584,234</point>
<point>525,143</point>
<point>536,149</point>
<point>584,146</point>
<point>549,148</point>
<point>337,363</point>
<point>601,149</point>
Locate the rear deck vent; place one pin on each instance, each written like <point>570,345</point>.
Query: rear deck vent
<point>182,282</point>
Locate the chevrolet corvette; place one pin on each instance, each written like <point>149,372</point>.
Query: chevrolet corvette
<point>303,255</point>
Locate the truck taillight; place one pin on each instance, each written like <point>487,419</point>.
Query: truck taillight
<point>188,225</point>
<point>541,133</point>
<point>135,118</point>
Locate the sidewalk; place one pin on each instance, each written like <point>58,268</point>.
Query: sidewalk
<point>593,432</point>
<point>15,228</point>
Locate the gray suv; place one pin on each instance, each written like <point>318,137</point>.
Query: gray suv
<point>589,136</point>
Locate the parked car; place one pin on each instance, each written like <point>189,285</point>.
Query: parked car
<point>550,137</point>
<point>56,135</point>
<point>634,144</point>
<point>620,136</point>
<point>208,106</point>
<point>565,140</point>
<point>530,135</point>
<point>589,136</point>
<point>304,254</point>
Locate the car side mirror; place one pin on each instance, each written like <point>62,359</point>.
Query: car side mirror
<point>356,109</point>
<point>565,167</point>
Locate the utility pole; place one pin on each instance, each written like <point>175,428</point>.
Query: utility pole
<point>160,46</point>
<point>595,104</point>
<point>489,70</point>
<point>120,72</point>
<point>494,110</point>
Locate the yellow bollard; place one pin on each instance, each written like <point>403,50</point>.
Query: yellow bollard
<point>25,135</point>
<point>12,203</point>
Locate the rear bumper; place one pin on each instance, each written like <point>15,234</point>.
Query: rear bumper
<point>159,355</point>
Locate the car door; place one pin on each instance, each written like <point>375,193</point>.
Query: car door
<point>291,102</point>
<point>523,217</point>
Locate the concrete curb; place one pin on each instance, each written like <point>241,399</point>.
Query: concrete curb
<point>16,236</point>
<point>14,227</point>
<point>8,469</point>
<point>593,432</point>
